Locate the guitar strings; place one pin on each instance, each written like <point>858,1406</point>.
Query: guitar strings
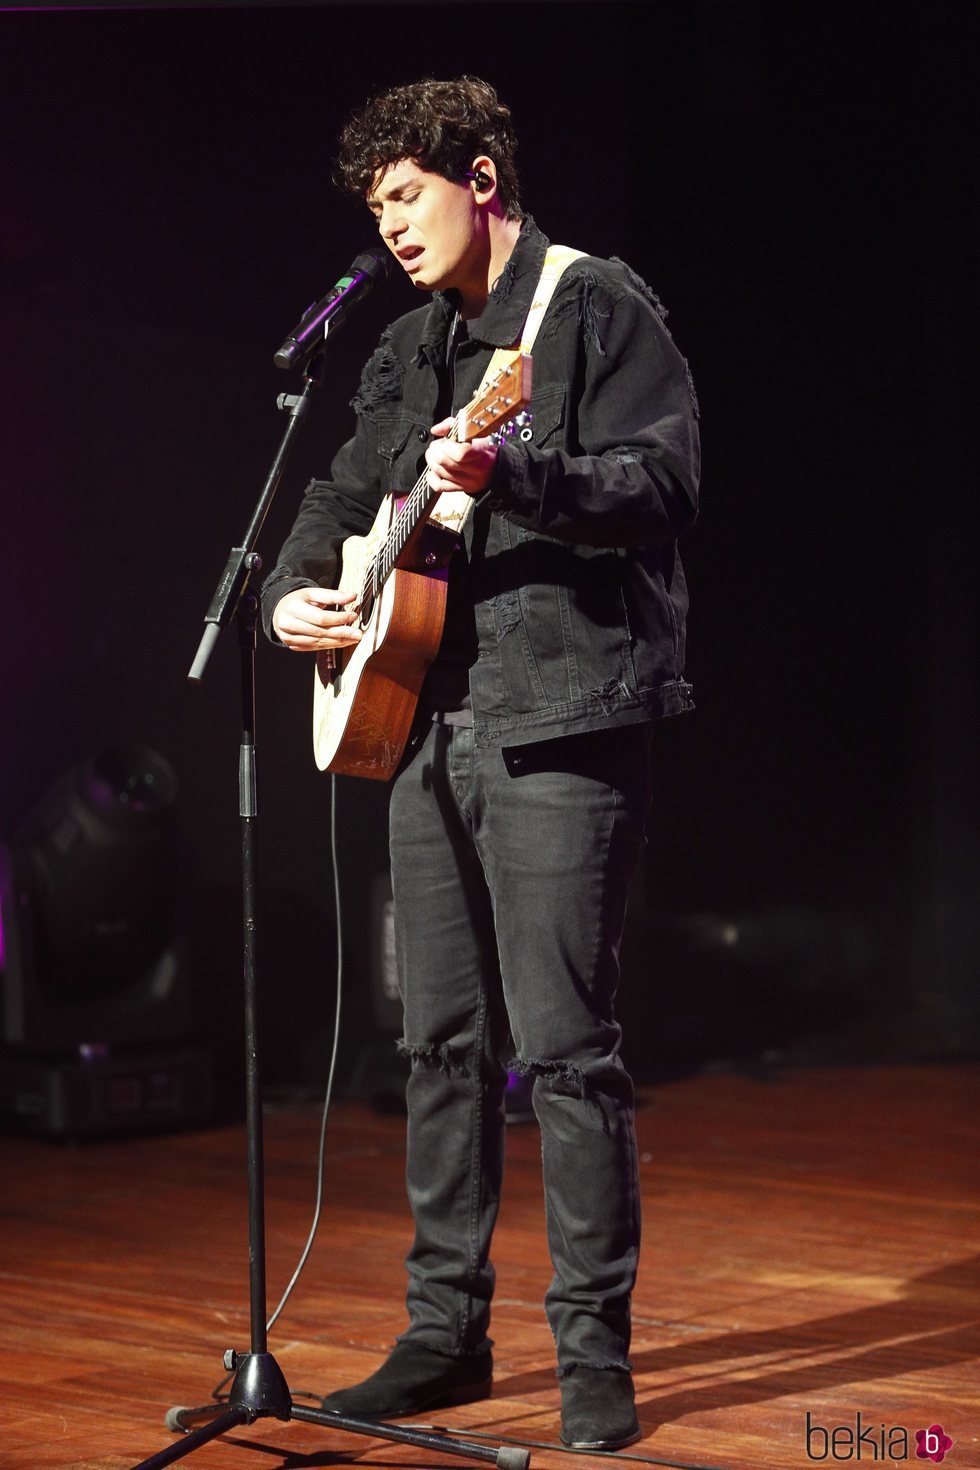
<point>410,513</point>
<point>397,537</point>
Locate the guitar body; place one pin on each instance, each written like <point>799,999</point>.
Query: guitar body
<point>364,698</point>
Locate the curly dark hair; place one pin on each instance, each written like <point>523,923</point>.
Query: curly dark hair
<point>443,126</point>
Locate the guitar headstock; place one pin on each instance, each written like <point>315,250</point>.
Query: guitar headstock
<point>505,396</point>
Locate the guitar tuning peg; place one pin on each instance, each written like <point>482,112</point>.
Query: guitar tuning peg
<point>519,424</point>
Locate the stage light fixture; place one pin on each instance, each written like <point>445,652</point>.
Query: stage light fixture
<point>93,955</point>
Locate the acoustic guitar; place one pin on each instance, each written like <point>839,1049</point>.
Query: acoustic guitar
<point>364,697</point>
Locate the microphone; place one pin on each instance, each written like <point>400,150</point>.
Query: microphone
<point>329,314</point>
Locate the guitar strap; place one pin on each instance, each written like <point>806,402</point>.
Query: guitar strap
<point>454,508</point>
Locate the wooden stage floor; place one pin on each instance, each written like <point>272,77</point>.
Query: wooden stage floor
<point>811,1248</point>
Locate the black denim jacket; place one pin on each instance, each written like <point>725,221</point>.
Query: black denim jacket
<point>578,590</point>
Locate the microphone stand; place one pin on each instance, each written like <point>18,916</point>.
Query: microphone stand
<point>259,1389</point>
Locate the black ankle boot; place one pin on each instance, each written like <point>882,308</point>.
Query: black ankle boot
<point>597,1409</point>
<point>412,1380</point>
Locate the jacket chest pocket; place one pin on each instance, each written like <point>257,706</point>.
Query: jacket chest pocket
<point>401,449</point>
<point>547,417</point>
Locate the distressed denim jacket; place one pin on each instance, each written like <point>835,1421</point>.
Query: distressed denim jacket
<point>578,591</point>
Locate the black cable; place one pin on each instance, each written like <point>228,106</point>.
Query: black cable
<point>304,1256</point>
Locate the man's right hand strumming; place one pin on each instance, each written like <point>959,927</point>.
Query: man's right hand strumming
<point>311,619</point>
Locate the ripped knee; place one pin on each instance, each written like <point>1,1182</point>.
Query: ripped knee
<point>442,1058</point>
<point>568,1077</point>
<point>602,1083</point>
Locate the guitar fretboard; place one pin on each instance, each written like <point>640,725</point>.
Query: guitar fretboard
<point>416,506</point>
<point>495,405</point>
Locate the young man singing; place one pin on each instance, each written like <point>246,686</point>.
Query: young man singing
<point>518,810</point>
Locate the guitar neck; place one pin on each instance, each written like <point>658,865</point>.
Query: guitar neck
<point>411,515</point>
<point>494,406</point>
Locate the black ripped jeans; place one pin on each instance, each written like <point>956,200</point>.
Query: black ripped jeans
<point>510,872</point>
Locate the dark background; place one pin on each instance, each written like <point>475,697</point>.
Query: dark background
<point>799,185</point>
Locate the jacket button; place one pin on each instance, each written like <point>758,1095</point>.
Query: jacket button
<point>423,434</point>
